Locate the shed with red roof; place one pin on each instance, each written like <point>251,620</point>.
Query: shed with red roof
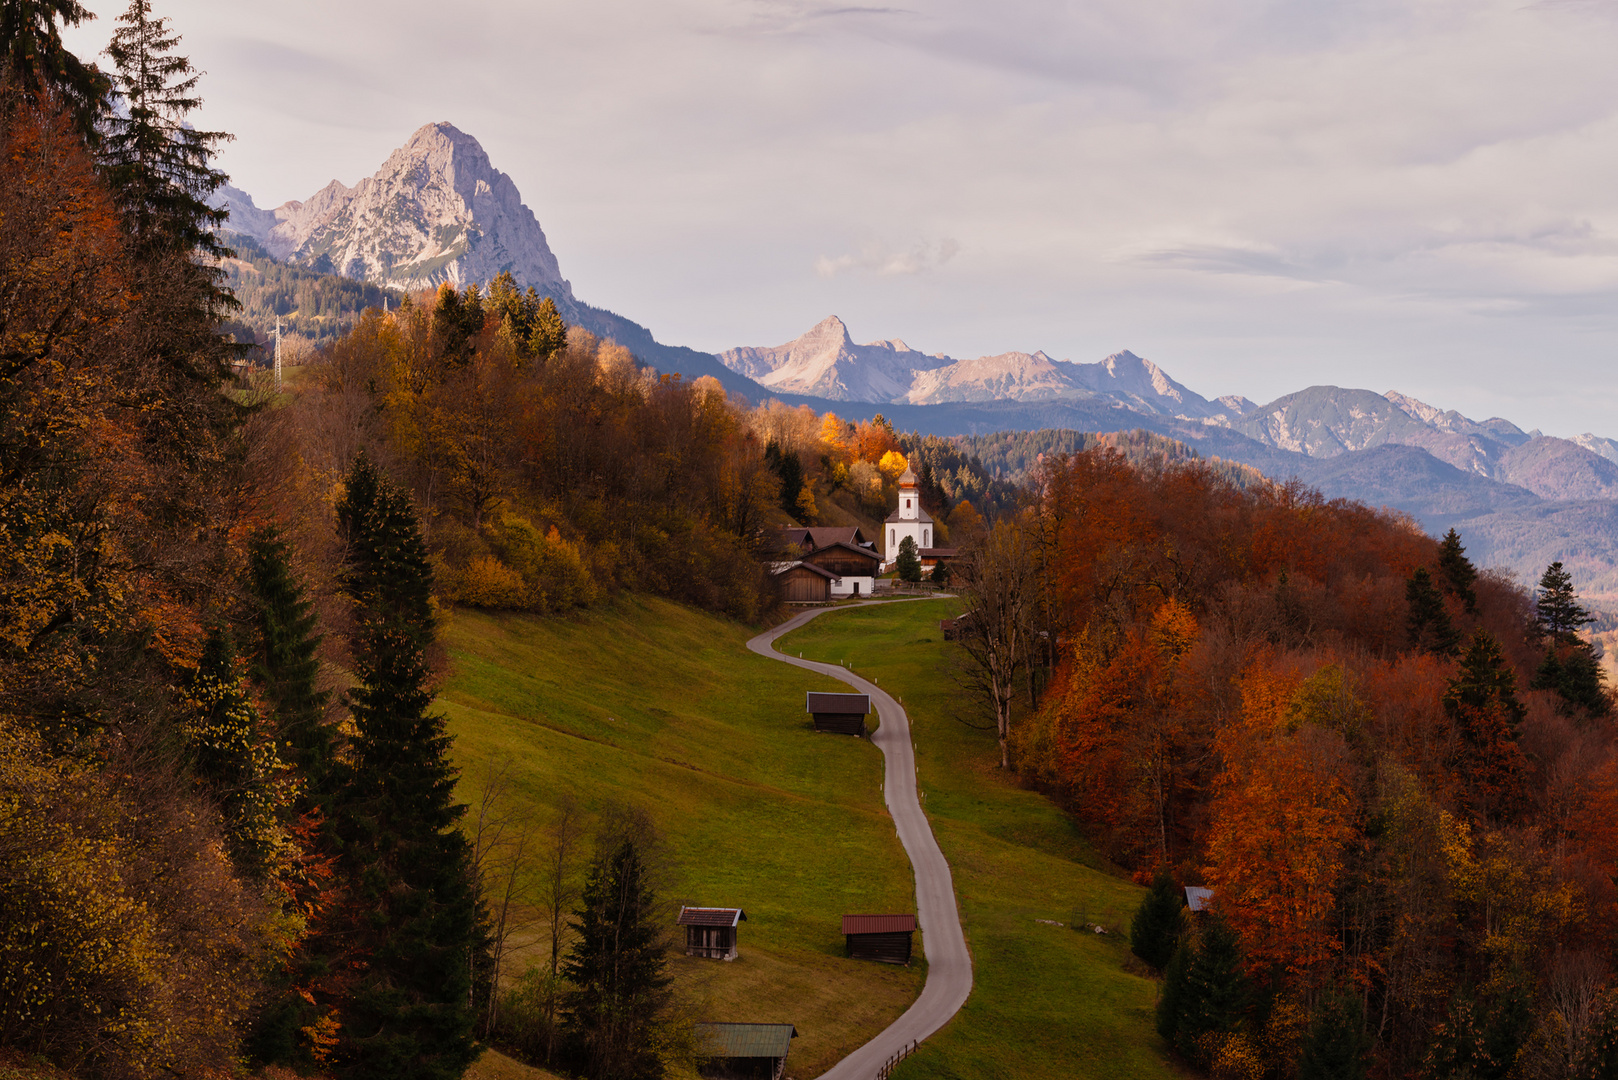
<point>879,937</point>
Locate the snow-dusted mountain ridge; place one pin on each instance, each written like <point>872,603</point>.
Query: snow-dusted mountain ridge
<point>826,363</point>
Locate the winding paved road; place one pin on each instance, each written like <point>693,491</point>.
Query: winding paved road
<point>949,965</point>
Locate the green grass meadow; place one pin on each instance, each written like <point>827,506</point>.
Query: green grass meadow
<point>1047,1001</point>
<point>655,705</point>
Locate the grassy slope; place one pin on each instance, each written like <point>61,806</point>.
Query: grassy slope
<point>657,705</point>
<point>1046,1001</point>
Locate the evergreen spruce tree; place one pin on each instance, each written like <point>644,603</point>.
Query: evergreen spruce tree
<point>1336,1043</point>
<point>1574,673</point>
<point>1216,992</point>
<point>1485,678</point>
<point>1569,668</point>
<point>549,333</point>
<point>1171,997</point>
<point>908,563</point>
<point>1456,572</point>
<point>159,165</point>
<point>617,968</point>
<point>414,918</point>
<point>1557,608</point>
<point>37,62</point>
<point>1155,930</point>
<point>1428,623</point>
<point>285,664</point>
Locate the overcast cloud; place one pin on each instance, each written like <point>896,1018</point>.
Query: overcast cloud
<point>1260,196</point>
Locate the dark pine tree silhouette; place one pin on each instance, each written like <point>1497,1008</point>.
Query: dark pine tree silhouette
<point>1482,704</point>
<point>1428,623</point>
<point>1557,608</point>
<point>36,61</point>
<point>1456,572</point>
<point>617,968</point>
<point>156,163</point>
<point>285,664</point>
<point>908,563</point>
<point>1336,1043</point>
<point>1205,990</point>
<point>413,917</point>
<point>1155,930</point>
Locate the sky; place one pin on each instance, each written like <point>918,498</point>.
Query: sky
<point>1259,196</point>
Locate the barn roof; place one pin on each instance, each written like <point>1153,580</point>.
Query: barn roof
<point>781,568</point>
<point>749,1040</point>
<point>1197,898</point>
<point>711,916</point>
<point>841,546</point>
<point>838,703</point>
<point>938,553</point>
<point>878,924</point>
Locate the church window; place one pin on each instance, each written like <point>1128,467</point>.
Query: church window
<point>907,504</point>
<point>926,538</point>
<point>893,537</point>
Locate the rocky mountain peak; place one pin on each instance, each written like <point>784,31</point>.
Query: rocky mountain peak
<point>437,210</point>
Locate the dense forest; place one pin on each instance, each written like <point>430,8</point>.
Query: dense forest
<point>308,304</point>
<point>1396,774</point>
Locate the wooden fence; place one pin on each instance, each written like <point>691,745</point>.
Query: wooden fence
<point>887,1067</point>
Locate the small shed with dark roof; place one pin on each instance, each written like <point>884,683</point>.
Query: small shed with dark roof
<point>840,713</point>
<point>745,1051</point>
<point>886,938</point>
<point>1198,898</point>
<point>711,931</point>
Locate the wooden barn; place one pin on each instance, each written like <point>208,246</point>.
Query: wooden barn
<point>745,1051</point>
<point>879,937</point>
<point>843,714</point>
<point>804,583</point>
<point>711,931</point>
<point>855,567</point>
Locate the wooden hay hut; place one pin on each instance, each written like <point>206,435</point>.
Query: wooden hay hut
<point>711,931</point>
<point>745,1051</point>
<point>886,938</point>
<point>840,713</point>
<point>804,583</point>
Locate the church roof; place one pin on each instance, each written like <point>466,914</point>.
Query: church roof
<point>907,478</point>
<point>922,516</point>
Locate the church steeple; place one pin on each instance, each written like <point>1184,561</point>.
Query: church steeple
<point>909,499</point>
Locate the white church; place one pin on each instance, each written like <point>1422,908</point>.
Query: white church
<point>908,520</point>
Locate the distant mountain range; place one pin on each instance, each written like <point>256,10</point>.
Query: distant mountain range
<point>438,210</point>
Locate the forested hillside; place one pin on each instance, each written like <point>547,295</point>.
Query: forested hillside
<point>1396,775</point>
<point>306,303</point>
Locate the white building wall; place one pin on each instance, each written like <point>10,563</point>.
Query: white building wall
<point>845,586</point>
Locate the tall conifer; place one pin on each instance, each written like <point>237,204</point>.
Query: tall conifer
<point>1427,622</point>
<point>1456,572</point>
<point>36,61</point>
<point>158,164</point>
<point>1155,930</point>
<point>285,663</point>
<point>617,967</point>
<point>414,917</point>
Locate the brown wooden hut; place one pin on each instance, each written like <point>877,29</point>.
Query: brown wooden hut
<point>804,583</point>
<point>843,714</point>
<point>711,931</point>
<point>745,1051</point>
<point>879,937</point>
